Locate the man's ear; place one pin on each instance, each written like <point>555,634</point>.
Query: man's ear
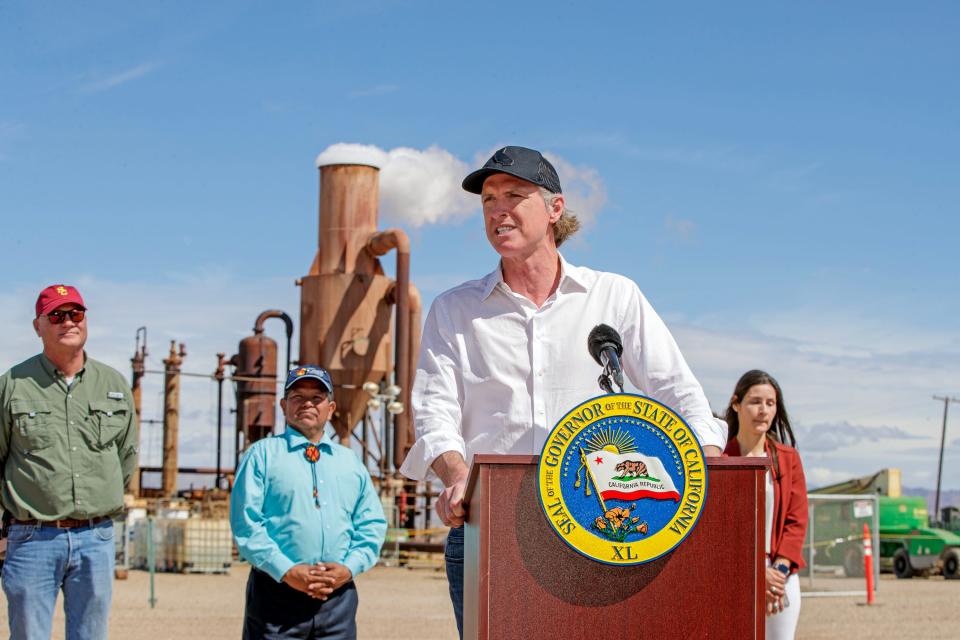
<point>333,407</point>
<point>36,326</point>
<point>556,210</point>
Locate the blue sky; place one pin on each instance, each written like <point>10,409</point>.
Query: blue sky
<point>779,178</point>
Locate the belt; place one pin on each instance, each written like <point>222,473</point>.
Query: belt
<point>66,523</point>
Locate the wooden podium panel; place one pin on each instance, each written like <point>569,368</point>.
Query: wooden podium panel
<point>522,581</point>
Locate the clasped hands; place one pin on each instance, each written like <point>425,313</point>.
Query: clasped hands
<point>317,580</point>
<point>776,585</point>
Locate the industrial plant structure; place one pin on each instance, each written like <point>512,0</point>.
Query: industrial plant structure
<point>358,323</point>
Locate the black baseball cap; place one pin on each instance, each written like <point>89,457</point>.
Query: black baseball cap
<point>523,163</point>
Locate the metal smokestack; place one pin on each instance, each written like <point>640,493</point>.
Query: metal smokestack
<point>346,300</point>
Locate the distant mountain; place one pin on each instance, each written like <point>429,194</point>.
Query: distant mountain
<point>947,498</point>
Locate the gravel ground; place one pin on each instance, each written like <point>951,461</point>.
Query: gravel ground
<point>398,603</point>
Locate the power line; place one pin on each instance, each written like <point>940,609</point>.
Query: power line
<point>943,437</point>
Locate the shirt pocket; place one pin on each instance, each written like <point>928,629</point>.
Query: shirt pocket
<point>109,420</point>
<point>346,489</point>
<point>32,424</point>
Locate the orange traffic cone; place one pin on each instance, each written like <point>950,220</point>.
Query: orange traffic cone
<point>868,561</point>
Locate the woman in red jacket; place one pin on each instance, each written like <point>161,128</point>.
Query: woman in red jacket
<point>759,426</point>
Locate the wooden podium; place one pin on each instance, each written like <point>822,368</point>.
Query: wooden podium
<point>522,581</point>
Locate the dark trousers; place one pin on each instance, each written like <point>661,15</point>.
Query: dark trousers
<point>453,559</point>
<point>275,610</point>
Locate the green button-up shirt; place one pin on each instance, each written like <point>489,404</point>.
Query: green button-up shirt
<point>65,452</point>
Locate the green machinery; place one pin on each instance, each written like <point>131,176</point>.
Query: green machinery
<point>909,545</point>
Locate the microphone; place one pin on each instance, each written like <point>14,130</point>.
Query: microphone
<point>606,347</point>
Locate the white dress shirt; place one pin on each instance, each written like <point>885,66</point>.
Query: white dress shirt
<point>496,373</point>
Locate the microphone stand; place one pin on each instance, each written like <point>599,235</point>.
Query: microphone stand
<point>604,382</point>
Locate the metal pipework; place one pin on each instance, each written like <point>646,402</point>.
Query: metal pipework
<point>287,321</point>
<point>349,196</point>
<point>379,244</point>
<point>219,375</point>
<point>256,360</point>
<point>416,311</point>
<point>403,435</point>
<point>345,310</point>
<point>171,418</point>
<point>344,315</point>
<point>138,365</point>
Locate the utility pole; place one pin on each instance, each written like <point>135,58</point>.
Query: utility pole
<point>943,437</point>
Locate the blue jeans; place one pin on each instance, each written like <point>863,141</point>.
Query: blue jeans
<point>43,560</point>
<point>453,559</point>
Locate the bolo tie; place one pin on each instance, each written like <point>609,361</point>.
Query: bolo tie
<point>312,454</point>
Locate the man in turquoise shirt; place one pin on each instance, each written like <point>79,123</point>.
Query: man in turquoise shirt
<point>305,515</point>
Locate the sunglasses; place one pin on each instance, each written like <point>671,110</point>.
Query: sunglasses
<point>76,315</point>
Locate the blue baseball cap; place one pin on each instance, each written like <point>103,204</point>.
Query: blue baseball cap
<point>309,371</point>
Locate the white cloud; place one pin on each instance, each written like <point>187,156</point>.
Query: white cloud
<point>423,187</point>
<point>835,436</point>
<point>99,82</point>
<point>853,413</point>
<point>349,153</point>
<point>417,187</point>
<point>852,332</point>
<point>822,476</point>
<point>834,350</point>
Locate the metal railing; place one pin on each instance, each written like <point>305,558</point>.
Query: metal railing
<point>833,547</point>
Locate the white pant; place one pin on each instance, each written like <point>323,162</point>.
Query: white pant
<point>783,625</point>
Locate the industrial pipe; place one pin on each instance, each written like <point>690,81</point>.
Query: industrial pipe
<point>171,419</point>
<point>276,313</point>
<point>219,375</point>
<point>345,320</point>
<point>139,369</point>
<point>379,244</point>
<point>416,311</point>
<point>256,364</point>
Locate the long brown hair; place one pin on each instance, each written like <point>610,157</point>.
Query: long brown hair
<point>780,429</point>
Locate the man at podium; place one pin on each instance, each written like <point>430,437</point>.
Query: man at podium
<point>504,357</point>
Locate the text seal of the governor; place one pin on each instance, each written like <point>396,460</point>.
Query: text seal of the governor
<point>622,479</point>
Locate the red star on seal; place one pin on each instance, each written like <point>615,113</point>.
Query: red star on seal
<point>599,460</point>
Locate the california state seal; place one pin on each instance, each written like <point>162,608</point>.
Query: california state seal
<point>622,479</point>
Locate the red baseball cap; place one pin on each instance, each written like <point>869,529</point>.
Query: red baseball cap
<point>56,295</point>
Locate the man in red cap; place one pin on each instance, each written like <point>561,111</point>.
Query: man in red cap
<point>68,439</point>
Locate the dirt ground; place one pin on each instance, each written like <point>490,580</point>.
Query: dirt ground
<point>397,603</point>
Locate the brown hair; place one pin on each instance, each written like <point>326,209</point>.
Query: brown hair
<point>780,429</point>
<point>567,225</point>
